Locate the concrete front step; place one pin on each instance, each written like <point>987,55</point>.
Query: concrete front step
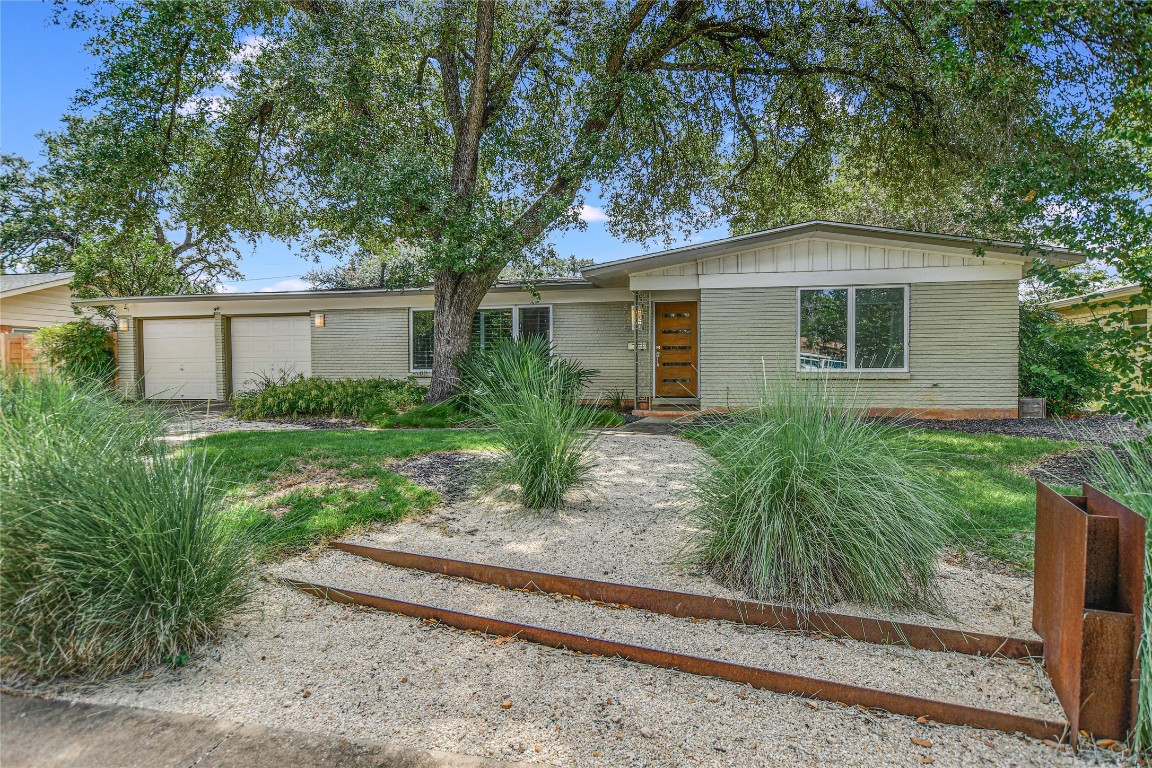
<point>672,412</point>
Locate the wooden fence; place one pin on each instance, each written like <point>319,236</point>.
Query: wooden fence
<point>18,353</point>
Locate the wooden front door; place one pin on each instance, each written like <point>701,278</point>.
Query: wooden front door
<point>676,332</point>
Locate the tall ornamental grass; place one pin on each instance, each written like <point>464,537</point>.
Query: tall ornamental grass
<point>113,553</point>
<point>807,502</point>
<point>1125,473</point>
<point>532,398</point>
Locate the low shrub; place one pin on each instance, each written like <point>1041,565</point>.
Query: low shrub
<point>423,416</point>
<point>364,399</point>
<point>532,398</point>
<point>808,502</point>
<point>1125,472</point>
<point>79,349</point>
<point>116,554</point>
<point>1057,361</point>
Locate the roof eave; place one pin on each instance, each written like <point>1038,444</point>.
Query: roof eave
<point>104,301</point>
<point>674,256</point>
<point>33,288</point>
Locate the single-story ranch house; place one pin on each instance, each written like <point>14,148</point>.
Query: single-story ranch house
<point>916,322</point>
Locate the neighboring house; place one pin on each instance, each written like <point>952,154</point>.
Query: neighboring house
<point>1098,307</point>
<point>28,302</point>
<point>913,322</point>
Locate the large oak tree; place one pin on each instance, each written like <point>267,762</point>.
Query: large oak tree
<point>468,131</point>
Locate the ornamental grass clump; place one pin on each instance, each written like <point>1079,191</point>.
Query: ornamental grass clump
<point>808,502</point>
<point>1124,471</point>
<point>533,400</point>
<point>115,553</point>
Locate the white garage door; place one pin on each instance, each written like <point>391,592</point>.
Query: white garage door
<point>269,347</point>
<point>179,359</point>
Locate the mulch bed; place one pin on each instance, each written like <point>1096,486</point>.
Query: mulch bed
<point>452,474</point>
<point>1089,429</point>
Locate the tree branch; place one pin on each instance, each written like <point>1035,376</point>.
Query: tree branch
<point>466,159</point>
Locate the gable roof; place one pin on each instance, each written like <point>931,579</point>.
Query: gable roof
<point>617,272</point>
<point>13,285</point>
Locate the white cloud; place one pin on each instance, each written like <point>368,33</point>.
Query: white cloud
<point>250,48</point>
<point>292,284</point>
<point>225,288</point>
<point>590,213</point>
<point>213,105</point>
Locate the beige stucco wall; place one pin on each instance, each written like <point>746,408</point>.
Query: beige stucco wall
<point>963,346</point>
<point>36,309</point>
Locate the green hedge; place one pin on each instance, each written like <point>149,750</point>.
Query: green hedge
<point>364,399</point>
<point>1057,360</point>
<point>79,350</point>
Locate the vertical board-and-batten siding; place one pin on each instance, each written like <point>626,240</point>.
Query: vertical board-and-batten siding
<point>361,344</point>
<point>597,334</point>
<point>963,346</point>
<point>815,254</point>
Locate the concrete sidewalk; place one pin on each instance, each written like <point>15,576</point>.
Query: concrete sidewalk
<point>46,733</point>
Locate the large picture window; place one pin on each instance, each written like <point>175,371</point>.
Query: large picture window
<point>488,326</point>
<point>853,329</point>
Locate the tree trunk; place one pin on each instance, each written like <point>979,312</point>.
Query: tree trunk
<point>457,297</point>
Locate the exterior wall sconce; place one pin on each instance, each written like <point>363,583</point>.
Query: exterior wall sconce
<point>636,317</point>
<point>122,324</point>
<point>319,319</point>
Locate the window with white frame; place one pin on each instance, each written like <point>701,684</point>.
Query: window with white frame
<point>489,325</point>
<point>853,329</point>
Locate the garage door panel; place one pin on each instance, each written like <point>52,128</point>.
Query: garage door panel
<point>179,359</point>
<point>269,347</point>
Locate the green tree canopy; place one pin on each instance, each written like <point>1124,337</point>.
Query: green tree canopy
<point>470,130</point>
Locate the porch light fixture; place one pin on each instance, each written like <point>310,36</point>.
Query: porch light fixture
<point>636,317</point>
<point>319,319</point>
<point>122,324</point>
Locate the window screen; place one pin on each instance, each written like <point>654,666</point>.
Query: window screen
<point>535,321</point>
<point>423,340</point>
<point>489,326</point>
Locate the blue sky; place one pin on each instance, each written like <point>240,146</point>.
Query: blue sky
<point>41,67</point>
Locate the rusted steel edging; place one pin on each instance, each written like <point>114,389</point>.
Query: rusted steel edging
<point>765,679</point>
<point>687,605</point>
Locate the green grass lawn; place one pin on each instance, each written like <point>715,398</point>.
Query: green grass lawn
<point>998,505</point>
<point>260,468</point>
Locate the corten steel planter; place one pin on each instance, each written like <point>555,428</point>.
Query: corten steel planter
<point>1089,593</point>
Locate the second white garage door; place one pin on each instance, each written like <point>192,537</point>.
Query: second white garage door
<point>179,359</point>
<point>269,347</point>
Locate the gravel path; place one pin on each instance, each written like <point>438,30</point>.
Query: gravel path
<point>309,665</point>
<point>629,526</point>
<point>302,663</point>
<point>996,683</point>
